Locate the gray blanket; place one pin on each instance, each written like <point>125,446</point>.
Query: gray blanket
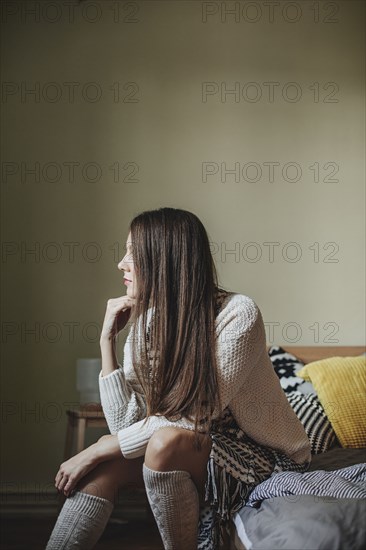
<point>310,523</point>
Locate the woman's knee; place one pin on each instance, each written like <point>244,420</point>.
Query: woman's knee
<point>173,448</point>
<point>162,448</point>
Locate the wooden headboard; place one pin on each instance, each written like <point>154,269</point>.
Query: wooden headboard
<point>307,354</point>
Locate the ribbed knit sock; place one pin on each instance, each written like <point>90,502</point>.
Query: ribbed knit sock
<point>174,501</point>
<point>80,523</point>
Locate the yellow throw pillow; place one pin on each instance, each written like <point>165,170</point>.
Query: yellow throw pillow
<point>340,383</point>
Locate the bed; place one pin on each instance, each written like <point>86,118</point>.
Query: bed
<point>325,508</point>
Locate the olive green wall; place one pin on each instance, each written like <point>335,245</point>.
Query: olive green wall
<point>131,110</point>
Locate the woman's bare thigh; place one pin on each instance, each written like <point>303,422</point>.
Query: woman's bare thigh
<point>106,478</point>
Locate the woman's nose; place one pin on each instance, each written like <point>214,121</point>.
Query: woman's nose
<point>122,264</point>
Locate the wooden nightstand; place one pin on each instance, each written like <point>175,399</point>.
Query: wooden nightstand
<point>78,420</point>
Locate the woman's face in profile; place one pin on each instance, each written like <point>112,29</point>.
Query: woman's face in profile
<point>126,265</point>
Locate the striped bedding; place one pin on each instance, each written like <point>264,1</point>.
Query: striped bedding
<point>349,482</point>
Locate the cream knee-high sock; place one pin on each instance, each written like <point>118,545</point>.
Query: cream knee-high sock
<point>174,501</point>
<point>80,523</point>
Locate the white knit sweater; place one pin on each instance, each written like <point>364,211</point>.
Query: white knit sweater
<point>248,385</point>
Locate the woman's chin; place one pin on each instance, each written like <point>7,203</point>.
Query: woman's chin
<point>130,293</point>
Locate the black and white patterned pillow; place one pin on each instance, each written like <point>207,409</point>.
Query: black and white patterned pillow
<point>286,366</point>
<point>312,416</point>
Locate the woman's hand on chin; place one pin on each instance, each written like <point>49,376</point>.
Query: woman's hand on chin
<point>117,314</point>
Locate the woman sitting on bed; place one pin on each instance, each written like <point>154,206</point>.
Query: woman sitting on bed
<point>197,413</point>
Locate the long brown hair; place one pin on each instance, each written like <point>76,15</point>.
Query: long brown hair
<point>175,358</point>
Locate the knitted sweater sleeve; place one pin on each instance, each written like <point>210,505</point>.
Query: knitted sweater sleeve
<point>121,394</point>
<point>236,340</point>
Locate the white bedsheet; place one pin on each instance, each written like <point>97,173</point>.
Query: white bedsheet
<point>240,537</point>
